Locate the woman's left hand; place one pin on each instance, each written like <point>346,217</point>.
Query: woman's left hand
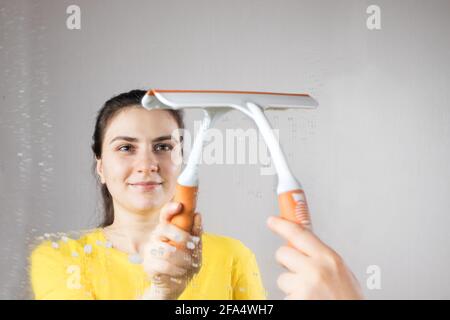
<point>315,271</point>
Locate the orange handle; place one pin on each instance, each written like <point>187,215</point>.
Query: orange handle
<point>293,207</point>
<point>187,196</point>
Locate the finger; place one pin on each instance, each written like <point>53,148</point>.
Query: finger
<point>292,259</point>
<point>197,256</point>
<point>180,258</point>
<point>197,239</point>
<point>160,249</point>
<point>197,227</point>
<point>163,267</point>
<point>167,231</point>
<point>163,250</point>
<point>287,282</point>
<point>184,259</point>
<point>197,231</point>
<point>301,238</point>
<point>169,210</point>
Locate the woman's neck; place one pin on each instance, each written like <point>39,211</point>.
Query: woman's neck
<point>130,231</point>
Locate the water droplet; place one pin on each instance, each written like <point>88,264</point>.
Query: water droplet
<point>74,254</point>
<point>196,239</point>
<point>55,245</point>
<point>135,258</point>
<point>190,245</point>
<point>88,249</point>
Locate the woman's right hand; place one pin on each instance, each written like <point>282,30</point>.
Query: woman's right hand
<point>171,268</point>
<point>314,270</point>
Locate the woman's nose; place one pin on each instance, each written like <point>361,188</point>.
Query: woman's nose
<point>148,162</point>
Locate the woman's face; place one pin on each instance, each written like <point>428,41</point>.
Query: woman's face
<point>139,147</point>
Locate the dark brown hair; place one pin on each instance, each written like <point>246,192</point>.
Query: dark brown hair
<point>105,114</point>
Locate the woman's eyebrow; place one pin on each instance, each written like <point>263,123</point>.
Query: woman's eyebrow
<point>129,139</point>
<point>162,138</point>
<point>132,139</point>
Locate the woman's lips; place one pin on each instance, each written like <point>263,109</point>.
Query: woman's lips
<point>146,186</point>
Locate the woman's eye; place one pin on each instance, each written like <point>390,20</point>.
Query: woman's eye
<point>125,146</point>
<point>163,147</point>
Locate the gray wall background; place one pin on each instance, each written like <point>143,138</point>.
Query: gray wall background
<point>373,157</point>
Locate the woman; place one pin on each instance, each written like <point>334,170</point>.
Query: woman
<point>129,257</point>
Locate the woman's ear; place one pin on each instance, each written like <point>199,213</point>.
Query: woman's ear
<point>99,168</point>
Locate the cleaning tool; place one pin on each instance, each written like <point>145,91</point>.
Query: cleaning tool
<point>291,196</point>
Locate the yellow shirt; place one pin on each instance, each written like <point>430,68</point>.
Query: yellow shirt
<point>90,268</point>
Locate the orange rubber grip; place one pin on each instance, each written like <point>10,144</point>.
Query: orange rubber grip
<point>187,196</point>
<point>293,207</point>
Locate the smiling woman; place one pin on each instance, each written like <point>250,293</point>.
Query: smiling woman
<point>128,256</point>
